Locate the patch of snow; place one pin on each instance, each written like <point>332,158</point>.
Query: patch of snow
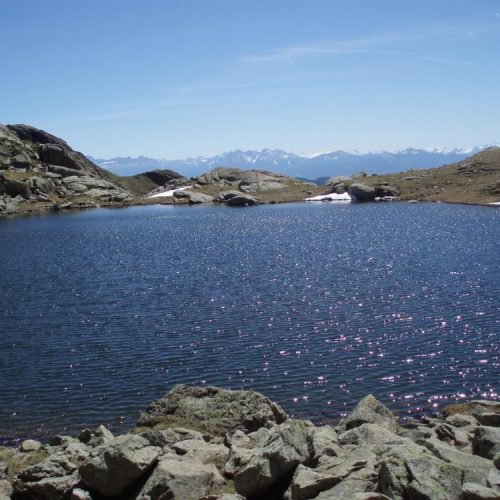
<point>169,193</point>
<point>495,204</point>
<point>331,197</point>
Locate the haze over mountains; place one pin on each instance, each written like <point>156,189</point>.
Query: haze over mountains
<point>306,166</point>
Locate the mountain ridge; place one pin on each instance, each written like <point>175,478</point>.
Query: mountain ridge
<point>311,166</point>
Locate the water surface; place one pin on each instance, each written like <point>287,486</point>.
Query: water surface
<point>315,305</point>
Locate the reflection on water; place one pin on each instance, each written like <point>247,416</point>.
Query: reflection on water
<point>313,305</point>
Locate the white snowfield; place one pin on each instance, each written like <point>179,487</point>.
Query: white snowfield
<point>495,203</point>
<point>331,197</point>
<point>169,193</point>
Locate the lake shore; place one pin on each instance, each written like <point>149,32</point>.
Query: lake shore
<point>207,442</point>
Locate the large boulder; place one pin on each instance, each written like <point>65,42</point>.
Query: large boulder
<point>115,465</point>
<point>181,479</point>
<point>242,200</point>
<point>370,411</point>
<point>486,442</point>
<point>212,409</point>
<point>361,192</point>
<point>56,154</point>
<point>264,462</point>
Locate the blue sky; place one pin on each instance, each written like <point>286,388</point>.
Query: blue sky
<point>178,78</point>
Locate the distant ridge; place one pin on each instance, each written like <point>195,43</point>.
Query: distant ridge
<point>309,166</point>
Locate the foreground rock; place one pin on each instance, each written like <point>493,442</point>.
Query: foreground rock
<point>212,409</point>
<point>248,448</point>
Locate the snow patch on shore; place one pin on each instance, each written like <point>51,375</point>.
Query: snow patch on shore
<point>169,192</point>
<point>331,197</point>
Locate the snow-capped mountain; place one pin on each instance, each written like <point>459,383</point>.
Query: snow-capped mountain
<point>310,166</point>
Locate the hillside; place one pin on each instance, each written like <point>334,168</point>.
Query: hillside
<point>473,180</point>
<point>39,171</point>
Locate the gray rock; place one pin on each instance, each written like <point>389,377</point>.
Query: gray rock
<point>385,190</point>
<point>181,479</point>
<point>264,185</point>
<point>486,442</point>
<point>42,185</point>
<point>242,200</point>
<point>51,479</point>
<point>14,187</point>
<point>307,483</point>
<point>4,470</point>
<point>212,409</point>
<point>101,436</point>
<point>488,418</point>
<point>168,437</point>
<point>337,179</point>
<point>476,469</point>
<point>196,198</point>
<point>77,187</point>
<point>373,434</point>
<point>277,452</point>
<point>227,195</point>
<point>6,489</point>
<point>472,491</point>
<point>64,171</point>
<point>200,451</point>
<point>496,460</point>
<point>56,154</point>
<point>30,445</point>
<point>324,442</point>
<point>115,465</point>
<point>21,161</point>
<point>433,479</point>
<point>370,410</point>
<point>459,420</point>
<point>361,192</point>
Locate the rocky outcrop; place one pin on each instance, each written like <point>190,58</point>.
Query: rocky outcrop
<point>242,200</point>
<point>37,167</point>
<point>212,409</point>
<point>248,448</point>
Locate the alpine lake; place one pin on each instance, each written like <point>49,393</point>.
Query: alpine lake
<point>314,305</point>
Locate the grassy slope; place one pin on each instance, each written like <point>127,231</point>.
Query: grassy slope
<point>474,180</point>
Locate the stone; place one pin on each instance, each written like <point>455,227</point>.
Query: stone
<point>242,200</point>
<point>473,491</point>
<point>115,465</point>
<point>42,185</point>
<point>361,192</point>
<point>486,442</point>
<point>212,409</point>
<point>432,479</point>
<point>20,161</point>
<point>370,410</point>
<point>227,195</point>
<point>476,469</point>
<point>276,454</point>
<point>52,478</point>
<point>64,171</point>
<point>101,436</point>
<point>307,483</point>
<point>196,198</point>
<point>14,187</point>
<point>372,434</point>
<point>496,460</point>
<point>56,154</point>
<point>490,419</point>
<point>471,407</point>
<point>168,437</point>
<point>182,479</point>
<point>6,489</point>
<point>264,185</point>
<point>200,451</point>
<point>324,442</point>
<point>4,470</point>
<point>459,420</point>
<point>30,445</point>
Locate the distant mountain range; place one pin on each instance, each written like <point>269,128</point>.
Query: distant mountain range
<point>305,166</point>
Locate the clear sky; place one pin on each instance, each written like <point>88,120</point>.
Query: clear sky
<point>178,78</point>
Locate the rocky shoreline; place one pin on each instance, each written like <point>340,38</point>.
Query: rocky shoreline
<point>211,443</point>
<point>41,173</point>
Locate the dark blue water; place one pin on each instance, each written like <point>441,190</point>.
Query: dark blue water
<point>315,305</point>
